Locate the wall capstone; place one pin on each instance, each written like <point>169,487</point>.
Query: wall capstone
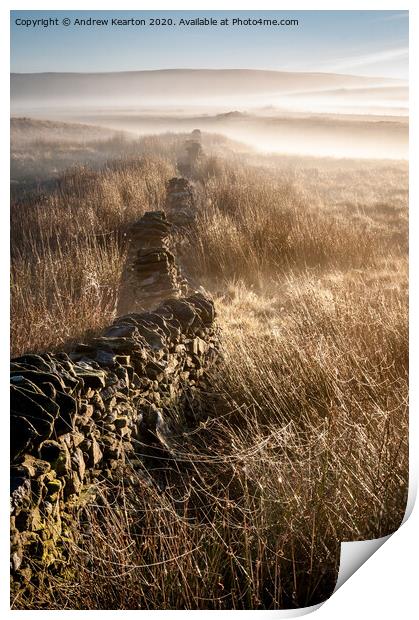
<point>180,204</point>
<point>151,273</point>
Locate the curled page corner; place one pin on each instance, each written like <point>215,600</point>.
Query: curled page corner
<point>354,554</point>
<point>292,613</point>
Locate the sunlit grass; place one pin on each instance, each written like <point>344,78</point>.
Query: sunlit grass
<point>305,438</point>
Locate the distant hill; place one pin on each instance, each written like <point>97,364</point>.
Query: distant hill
<point>128,88</point>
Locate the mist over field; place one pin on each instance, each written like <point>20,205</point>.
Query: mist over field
<point>321,114</point>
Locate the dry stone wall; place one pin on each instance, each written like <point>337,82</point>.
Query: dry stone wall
<point>75,418</point>
<point>180,202</point>
<point>188,163</point>
<point>151,273</point>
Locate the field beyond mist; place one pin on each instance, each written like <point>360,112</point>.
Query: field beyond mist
<point>305,439</point>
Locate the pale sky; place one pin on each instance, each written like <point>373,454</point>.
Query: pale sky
<point>371,43</point>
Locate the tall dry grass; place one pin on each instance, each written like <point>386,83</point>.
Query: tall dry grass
<point>305,438</point>
<point>255,223</point>
<point>68,250</point>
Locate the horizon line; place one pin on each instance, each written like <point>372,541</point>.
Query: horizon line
<point>203,69</point>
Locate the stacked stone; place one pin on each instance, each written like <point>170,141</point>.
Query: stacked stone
<point>188,162</point>
<point>196,135</point>
<point>180,202</point>
<point>75,417</point>
<point>151,273</point>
